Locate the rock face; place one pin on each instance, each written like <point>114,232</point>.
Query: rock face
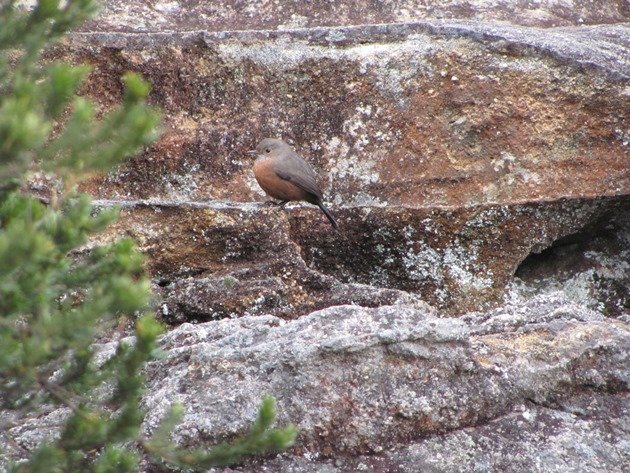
<point>420,115</point>
<point>472,313</point>
<point>538,386</point>
<point>213,261</point>
<point>152,15</point>
<point>362,380</point>
<point>580,436</point>
<point>449,149</point>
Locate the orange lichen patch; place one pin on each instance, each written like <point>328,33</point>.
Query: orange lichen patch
<point>536,343</point>
<point>544,344</point>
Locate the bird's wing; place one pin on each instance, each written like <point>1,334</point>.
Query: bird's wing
<point>294,169</point>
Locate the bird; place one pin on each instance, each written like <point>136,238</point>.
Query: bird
<point>284,175</point>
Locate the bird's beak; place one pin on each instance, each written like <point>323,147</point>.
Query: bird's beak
<point>252,152</point>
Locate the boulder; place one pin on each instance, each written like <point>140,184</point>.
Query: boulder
<point>539,385</point>
<point>145,15</point>
<point>360,380</point>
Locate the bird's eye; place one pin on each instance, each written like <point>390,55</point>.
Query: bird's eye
<point>268,150</point>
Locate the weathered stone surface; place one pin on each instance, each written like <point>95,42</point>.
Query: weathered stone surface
<point>248,292</point>
<point>370,379</point>
<point>591,267</point>
<point>356,379</point>
<point>246,259</point>
<point>458,260</point>
<point>588,434</point>
<point>449,149</point>
<point>379,380</point>
<point>156,15</point>
<point>413,115</point>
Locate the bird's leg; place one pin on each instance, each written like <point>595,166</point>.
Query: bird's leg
<point>280,204</point>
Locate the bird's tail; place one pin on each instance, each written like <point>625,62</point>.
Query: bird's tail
<point>329,216</point>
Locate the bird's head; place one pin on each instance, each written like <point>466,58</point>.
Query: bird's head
<point>269,147</point>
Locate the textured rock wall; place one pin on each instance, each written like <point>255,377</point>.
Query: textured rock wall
<point>539,386</point>
<point>398,115</point>
<point>366,379</point>
<point>435,143</point>
<point>152,15</point>
<point>458,259</point>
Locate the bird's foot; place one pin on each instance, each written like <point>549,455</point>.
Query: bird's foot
<point>273,203</point>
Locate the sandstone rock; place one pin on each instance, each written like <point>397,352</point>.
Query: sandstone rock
<point>141,16</point>
<point>592,268</point>
<point>227,260</point>
<point>535,115</point>
<point>443,187</point>
<point>358,380</point>
<point>589,435</point>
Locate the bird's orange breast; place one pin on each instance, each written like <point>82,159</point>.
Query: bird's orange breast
<point>273,185</point>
